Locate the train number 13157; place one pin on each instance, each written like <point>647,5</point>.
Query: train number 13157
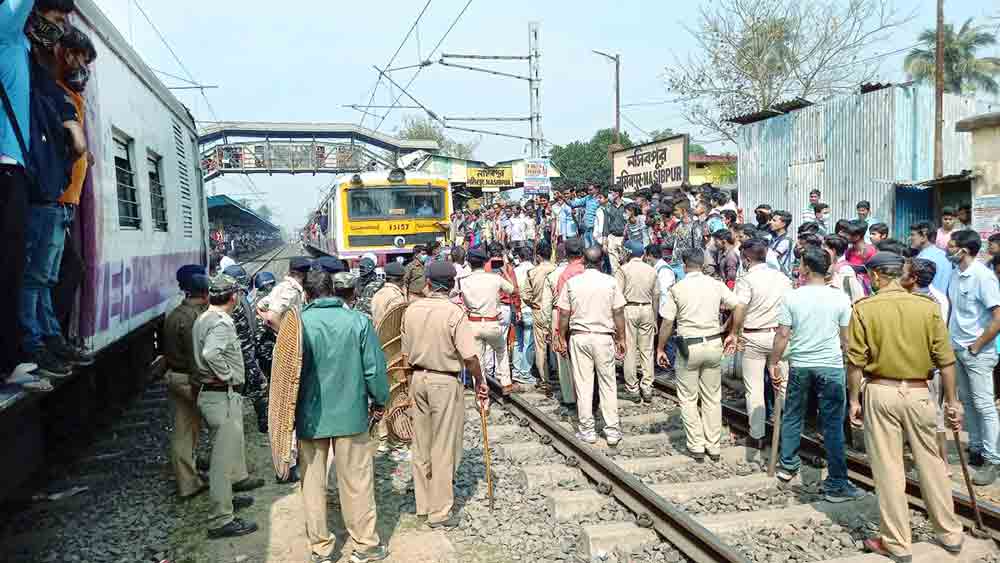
<point>398,227</point>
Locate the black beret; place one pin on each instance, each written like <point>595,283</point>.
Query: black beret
<point>300,264</point>
<point>330,265</point>
<point>883,258</point>
<point>440,271</point>
<point>394,270</point>
<point>478,253</point>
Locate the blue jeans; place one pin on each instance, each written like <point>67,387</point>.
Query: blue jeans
<point>524,349</point>
<point>975,389</point>
<point>588,236</point>
<point>829,385</point>
<point>45,240</point>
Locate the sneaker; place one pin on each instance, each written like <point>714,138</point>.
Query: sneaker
<point>846,494</point>
<point>239,503</point>
<point>613,436</point>
<point>377,553</point>
<point>785,475</point>
<point>587,437</point>
<point>58,346</point>
<point>238,527</point>
<point>247,484</point>
<point>49,365</point>
<point>985,475</point>
<point>451,523</point>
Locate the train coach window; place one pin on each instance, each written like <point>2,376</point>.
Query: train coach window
<point>157,201</point>
<point>128,198</point>
<point>395,202</point>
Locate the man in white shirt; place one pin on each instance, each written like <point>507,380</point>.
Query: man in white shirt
<point>226,262</point>
<point>524,347</point>
<point>517,229</point>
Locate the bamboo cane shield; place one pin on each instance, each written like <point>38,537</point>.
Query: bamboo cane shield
<point>398,421</point>
<point>286,371</point>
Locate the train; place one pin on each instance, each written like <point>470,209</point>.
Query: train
<point>142,215</point>
<point>381,212</point>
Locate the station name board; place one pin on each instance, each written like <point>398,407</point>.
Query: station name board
<point>491,177</point>
<point>664,162</point>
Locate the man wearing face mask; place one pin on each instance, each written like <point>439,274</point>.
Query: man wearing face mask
<point>974,323</point>
<point>413,276</point>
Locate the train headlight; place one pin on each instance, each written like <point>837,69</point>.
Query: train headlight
<point>397,175</point>
<point>399,242</point>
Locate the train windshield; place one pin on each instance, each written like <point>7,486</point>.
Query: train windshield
<point>395,202</point>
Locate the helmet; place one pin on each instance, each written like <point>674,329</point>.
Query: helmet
<point>366,267</point>
<point>241,276</point>
<point>264,280</point>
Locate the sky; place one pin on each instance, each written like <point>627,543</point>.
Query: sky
<point>302,60</point>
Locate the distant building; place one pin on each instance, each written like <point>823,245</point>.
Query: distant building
<point>715,169</point>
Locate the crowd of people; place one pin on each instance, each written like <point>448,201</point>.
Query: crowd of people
<point>44,69</point>
<point>235,241</point>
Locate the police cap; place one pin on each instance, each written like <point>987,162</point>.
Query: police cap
<point>344,280</point>
<point>239,274</point>
<point>300,264</point>
<point>199,283</point>
<point>394,270</point>
<point>882,259</point>
<point>635,248</point>
<point>184,274</point>
<point>330,265</point>
<point>222,284</point>
<point>440,272</point>
<point>479,254</point>
<point>263,280</point>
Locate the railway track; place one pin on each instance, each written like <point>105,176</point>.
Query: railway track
<point>728,511</point>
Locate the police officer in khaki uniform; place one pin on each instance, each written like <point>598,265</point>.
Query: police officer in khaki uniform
<point>564,365</point>
<point>590,312</point>
<point>286,295</point>
<point>391,294</point>
<point>532,296</point>
<point>763,290</point>
<point>641,288</point>
<point>480,292</point>
<point>220,374</point>
<point>413,276</point>
<point>694,303</point>
<point>438,342</point>
<point>894,340</point>
<point>179,355</point>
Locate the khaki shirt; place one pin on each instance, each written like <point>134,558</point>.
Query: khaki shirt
<point>384,299</point>
<point>531,293</point>
<point>217,351</point>
<point>638,282</point>
<point>413,277</point>
<point>695,302</point>
<point>762,289</point>
<point>591,299</point>
<point>177,340</point>
<point>288,294</point>
<point>897,335</point>
<point>437,335</point>
<point>481,293</point>
<point>549,295</point>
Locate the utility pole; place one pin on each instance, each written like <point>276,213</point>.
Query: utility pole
<point>617,59</point>
<point>535,87</point>
<point>939,92</point>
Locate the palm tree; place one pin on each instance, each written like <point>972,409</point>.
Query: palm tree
<point>963,72</point>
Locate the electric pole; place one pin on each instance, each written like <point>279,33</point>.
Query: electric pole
<point>939,92</point>
<point>617,59</point>
<point>535,86</point>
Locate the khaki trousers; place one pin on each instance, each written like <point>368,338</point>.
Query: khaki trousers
<point>539,333</point>
<point>616,251</point>
<point>184,439</point>
<point>223,412</point>
<point>640,329</point>
<point>438,421</point>
<point>594,354</point>
<point>893,414</point>
<point>492,340</point>
<point>757,348</point>
<point>699,378</point>
<point>355,487</point>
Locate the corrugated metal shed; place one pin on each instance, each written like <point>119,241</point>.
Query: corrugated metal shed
<point>854,147</point>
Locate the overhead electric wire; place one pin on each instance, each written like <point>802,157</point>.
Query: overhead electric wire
<point>393,58</point>
<point>419,70</point>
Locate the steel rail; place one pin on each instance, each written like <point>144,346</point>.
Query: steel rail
<point>270,259</point>
<point>860,471</point>
<point>683,532</point>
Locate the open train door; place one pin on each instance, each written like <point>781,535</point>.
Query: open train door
<point>397,412</point>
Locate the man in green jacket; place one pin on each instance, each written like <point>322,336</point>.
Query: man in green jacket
<point>343,377</point>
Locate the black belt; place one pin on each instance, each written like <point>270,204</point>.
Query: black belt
<point>621,234</point>
<point>637,303</point>
<point>752,330</point>
<point>701,339</point>
<point>221,388</point>
<point>421,368</point>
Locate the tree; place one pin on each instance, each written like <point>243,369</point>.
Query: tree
<point>657,134</point>
<point>265,212</point>
<point>754,54</point>
<point>963,71</point>
<point>424,128</point>
<point>581,162</point>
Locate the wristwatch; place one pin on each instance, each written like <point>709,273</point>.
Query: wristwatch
<point>969,350</point>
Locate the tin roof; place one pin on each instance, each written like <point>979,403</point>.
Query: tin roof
<point>775,110</point>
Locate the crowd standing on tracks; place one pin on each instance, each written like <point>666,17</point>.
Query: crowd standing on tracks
<point>554,295</point>
<point>44,69</point>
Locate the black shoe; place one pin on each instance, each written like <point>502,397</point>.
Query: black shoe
<point>247,484</point>
<point>697,456</point>
<point>60,349</point>
<point>239,503</point>
<point>451,523</point>
<point>714,457</point>
<point>377,553</point>
<point>49,365</point>
<point>238,527</point>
